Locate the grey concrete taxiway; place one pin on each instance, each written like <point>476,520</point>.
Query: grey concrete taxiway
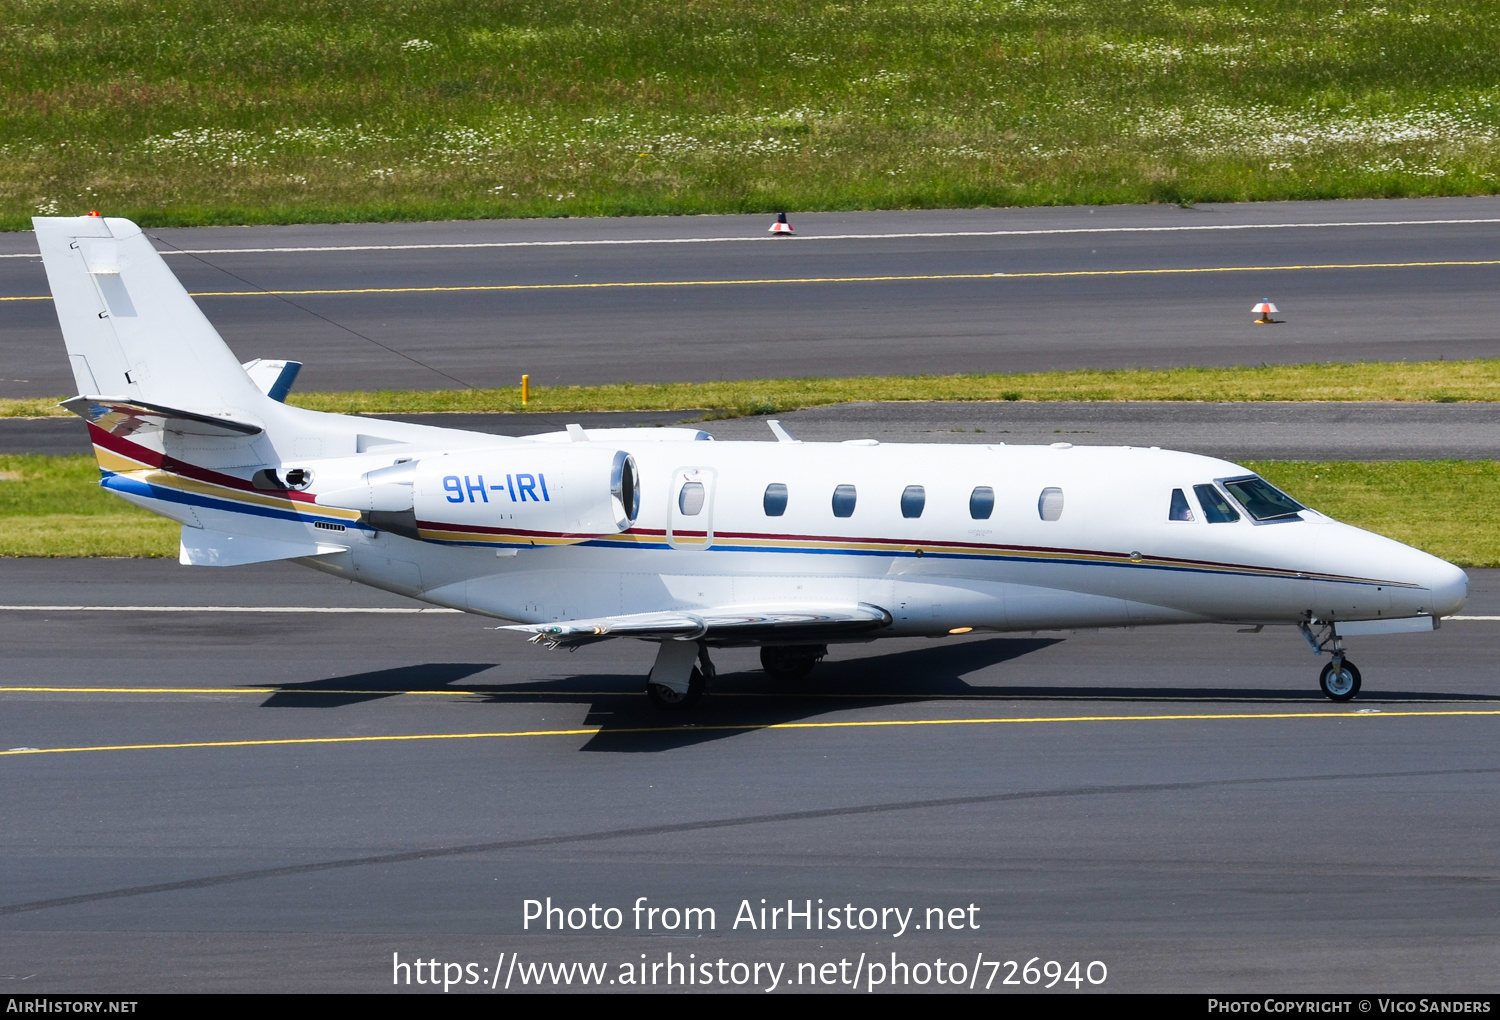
<point>282,800</point>
<point>427,305</point>
<point>1236,431</point>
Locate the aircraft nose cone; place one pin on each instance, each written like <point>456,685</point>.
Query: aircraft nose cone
<point>1450,589</point>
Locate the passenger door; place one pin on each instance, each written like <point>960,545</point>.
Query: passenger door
<point>690,515</point>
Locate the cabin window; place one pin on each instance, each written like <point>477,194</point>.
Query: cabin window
<point>913,499</point>
<point>775,499</point>
<point>1262,500</point>
<point>690,499</point>
<point>1216,509</point>
<point>1050,503</point>
<point>843,501</point>
<point>981,502</point>
<point>1180,510</point>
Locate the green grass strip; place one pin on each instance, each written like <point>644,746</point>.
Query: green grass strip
<point>237,111</point>
<point>1443,381</point>
<point>1450,508</point>
<point>53,506</point>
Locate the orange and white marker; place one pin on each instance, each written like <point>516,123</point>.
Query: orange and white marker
<point>781,228</point>
<point>1266,310</point>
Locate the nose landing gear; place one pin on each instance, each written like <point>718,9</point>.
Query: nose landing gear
<point>1340,678</point>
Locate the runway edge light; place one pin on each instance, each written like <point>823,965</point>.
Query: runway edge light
<point>781,228</point>
<point>1266,310</point>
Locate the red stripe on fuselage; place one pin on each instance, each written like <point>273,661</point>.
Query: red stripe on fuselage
<point>163,462</point>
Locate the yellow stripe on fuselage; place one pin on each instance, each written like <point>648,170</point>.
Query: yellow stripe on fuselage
<point>144,473</point>
<point>109,460</point>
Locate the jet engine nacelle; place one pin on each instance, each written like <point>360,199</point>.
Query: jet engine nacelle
<point>526,495</point>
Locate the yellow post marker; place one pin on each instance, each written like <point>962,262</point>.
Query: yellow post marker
<point>525,390</point>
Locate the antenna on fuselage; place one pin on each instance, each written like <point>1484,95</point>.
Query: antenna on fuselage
<point>782,435</point>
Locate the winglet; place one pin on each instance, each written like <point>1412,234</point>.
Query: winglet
<point>273,378</point>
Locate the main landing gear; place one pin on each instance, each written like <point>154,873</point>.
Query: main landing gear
<point>683,670</point>
<point>1340,678</point>
<point>676,683</point>
<point>790,662</point>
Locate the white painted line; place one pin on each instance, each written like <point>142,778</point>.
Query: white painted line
<point>809,237</point>
<point>216,609</point>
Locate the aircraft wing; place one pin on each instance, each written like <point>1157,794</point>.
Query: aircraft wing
<point>786,623</point>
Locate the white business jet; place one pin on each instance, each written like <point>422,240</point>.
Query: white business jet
<point>664,536</point>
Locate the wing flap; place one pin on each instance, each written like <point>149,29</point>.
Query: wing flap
<point>747,624</point>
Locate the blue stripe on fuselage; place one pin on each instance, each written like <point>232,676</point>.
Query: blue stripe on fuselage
<point>121,483</point>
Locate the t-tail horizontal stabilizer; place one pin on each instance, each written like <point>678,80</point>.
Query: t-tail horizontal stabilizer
<point>125,416</point>
<point>727,624</point>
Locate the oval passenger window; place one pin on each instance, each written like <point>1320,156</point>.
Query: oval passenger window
<point>775,499</point>
<point>981,502</point>
<point>690,499</point>
<point>1050,504</point>
<point>843,501</point>
<point>913,499</point>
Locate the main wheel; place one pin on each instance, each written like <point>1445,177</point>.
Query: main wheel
<point>1340,681</point>
<point>790,662</point>
<point>665,698</point>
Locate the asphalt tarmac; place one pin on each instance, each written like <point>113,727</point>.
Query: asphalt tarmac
<point>323,790</point>
<point>1235,431</point>
<point>431,305</point>
<point>281,799</point>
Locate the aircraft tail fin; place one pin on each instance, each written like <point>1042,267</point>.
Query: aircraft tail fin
<point>130,327</point>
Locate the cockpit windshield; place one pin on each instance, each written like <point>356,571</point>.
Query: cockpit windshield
<point>1261,499</point>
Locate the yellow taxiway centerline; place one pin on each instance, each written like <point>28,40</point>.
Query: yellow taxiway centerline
<point>746,727</point>
<point>614,284</point>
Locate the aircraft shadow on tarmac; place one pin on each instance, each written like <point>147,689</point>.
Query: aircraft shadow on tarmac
<point>747,700</point>
<point>338,691</point>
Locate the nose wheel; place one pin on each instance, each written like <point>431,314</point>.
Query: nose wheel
<point>1339,679</point>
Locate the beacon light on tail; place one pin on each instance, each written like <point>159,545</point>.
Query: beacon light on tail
<point>659,535</point>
